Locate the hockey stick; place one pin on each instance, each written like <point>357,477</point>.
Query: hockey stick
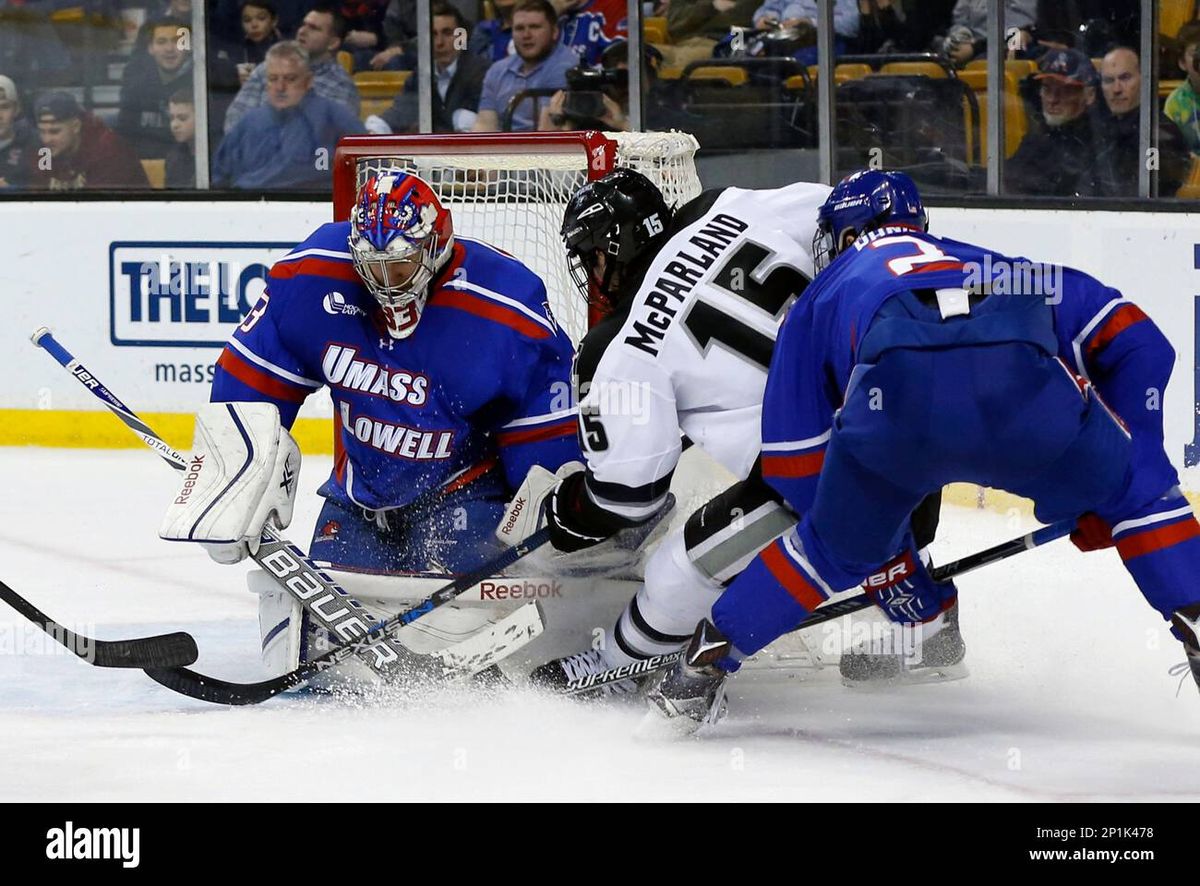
<point>329,605</point>
<point>190,683</point>
<point>838,608</point>
<point>161,651</point>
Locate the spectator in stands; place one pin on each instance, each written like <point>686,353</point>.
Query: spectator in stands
<point>1060,158</point>
<point>457,81</point>
<point>399,34</point>
<point>18,140</point>
<point>492,37</point>
<point>321,36</point>
<point>1183,104</point>
<point>800,13</point>
<point>225,18</point>
<point>364,29</point>
<point>967,37</point>
<point>148,83</point>
<point>901,25</point>
<point>591,26</point>
<point>260,31</point>
<point>1118,161</point>
<point>540,62</point>
<point>181,161</point>
<point>695,27</point>
<point>84,153</point>
<point>288,142</point>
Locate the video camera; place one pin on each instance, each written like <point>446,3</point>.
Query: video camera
<point>586,88</point>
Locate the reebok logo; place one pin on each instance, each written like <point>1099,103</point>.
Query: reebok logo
<point>189,479</point>
<point>518,506</point>
<point>70,843</point>
<point>522,590</point>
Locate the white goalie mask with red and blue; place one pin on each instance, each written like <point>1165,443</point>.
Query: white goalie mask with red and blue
<point>400,237</point>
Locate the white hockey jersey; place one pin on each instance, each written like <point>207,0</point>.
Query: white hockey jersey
<point>689,352</point>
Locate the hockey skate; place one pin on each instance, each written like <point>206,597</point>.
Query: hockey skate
<point>1186,622</point>
<point>692,693</point>
<point>556,674</point>
<point>935,659</point>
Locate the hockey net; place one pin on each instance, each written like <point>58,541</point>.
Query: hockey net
<point>510,190</point>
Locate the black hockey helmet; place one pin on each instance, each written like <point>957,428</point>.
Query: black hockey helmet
<point>621,215</point>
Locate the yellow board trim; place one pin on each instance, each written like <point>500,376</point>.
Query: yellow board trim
<point>102,430</point>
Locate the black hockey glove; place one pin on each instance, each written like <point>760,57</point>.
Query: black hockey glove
<point>574,520</point>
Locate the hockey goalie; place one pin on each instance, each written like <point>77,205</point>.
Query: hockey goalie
<point>447,373</point>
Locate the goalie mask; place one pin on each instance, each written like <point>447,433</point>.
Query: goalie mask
<point>861,202</point>
<point>400,237</point>
<point>612,222</point>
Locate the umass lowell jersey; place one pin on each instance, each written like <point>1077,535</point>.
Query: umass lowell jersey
<point>690,350</point>
<point>1090,326</point>
<point>481,381</point>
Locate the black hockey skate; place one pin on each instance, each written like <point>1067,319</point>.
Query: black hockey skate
<point>1186,622</point>
<point>556,674</point>
<point>936,659</point>
<point>692,692</point>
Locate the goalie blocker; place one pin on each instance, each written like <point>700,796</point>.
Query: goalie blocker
<point>242,472</point>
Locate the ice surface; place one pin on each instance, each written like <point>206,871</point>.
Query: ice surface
<point>1068,697</point>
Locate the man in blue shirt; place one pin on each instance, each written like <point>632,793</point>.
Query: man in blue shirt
<point>540,62</point>
<point>289,141</point>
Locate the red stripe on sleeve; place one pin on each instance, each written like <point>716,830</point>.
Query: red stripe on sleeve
<point>263,382</point>
<point>564,428</point>
<point>481,307</point>
<point>320,267</point>
<point>1156,539</point>
<point>1118,321</point>
<point>793,580</point>
<point>808,465</point>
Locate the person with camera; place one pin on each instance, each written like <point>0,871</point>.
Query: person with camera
<point>598,98</point>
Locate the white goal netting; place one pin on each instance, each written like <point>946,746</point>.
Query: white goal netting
<point>513,197</point>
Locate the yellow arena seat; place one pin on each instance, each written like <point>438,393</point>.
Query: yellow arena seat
<point>156,172</point>
<point>654,30</point>
<point>732,76</point>
<point>913,69</point>
<point>346,60</point>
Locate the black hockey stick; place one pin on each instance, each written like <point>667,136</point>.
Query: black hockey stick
<point>161,651</point>
<point>838,608</point>
<point>212,689</point>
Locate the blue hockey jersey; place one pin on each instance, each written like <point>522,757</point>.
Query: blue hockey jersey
<point>1096,332</point>
<point>484,379</point>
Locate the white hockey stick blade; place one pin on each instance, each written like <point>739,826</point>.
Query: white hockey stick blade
<point>495,642</point>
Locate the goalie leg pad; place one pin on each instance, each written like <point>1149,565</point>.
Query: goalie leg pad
<point>242,473</point>
<point>279,623</point>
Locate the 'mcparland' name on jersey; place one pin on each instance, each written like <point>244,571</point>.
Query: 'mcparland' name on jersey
<point>678,277</point>
<point>343,368</point>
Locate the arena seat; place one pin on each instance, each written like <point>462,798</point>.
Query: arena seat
<point>346,60</point>
<point>1174,14</point>
<point>841,74</point>
<point>728,74</point>
<point>1190,189</point>
<point>377,90</point>
<point>654,30</point>
<point>913,69</point>
<point>156,173</point>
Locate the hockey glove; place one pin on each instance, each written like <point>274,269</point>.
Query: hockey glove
<point>242,473</point>
<point>1092,534</point>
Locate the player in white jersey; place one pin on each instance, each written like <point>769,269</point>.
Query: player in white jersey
<point>696,298</point>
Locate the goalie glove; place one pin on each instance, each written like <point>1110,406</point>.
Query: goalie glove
<point>242,473</point>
